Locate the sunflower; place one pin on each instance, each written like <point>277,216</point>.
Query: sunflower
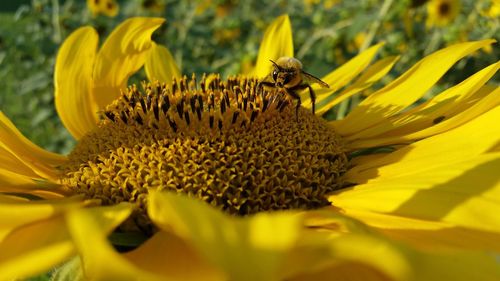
<point>494,9</point>
<point>106,7</point>
<point>442,12</point>
<point>215,179</point>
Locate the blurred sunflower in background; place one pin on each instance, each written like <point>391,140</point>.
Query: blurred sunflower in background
<point>106,7</point>
<point>494,9</point>
<point>442,12</point>
<point>215,179</point>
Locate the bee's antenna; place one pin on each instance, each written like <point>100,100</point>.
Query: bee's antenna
<point>275,64</point>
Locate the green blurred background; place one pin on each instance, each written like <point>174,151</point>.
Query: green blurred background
<point>223,36</point>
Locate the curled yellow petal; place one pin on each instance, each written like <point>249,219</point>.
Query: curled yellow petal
<point>377,256</point>
<point>265,239</point>
<point>151,256</point>
<point>344,271</point>
<point>89,229</point>
<point>121,55</point>
<point>370,257</point>
<point>160,65</point>
<point>277,42</point>
<point>376,252</point>
<point>427,234</point>
<point>40,161</point>
<point>73,81</point>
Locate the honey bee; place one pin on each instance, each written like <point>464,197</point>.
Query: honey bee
<point>288,76</point>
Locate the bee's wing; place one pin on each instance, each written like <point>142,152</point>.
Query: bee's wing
<point>313,79</point>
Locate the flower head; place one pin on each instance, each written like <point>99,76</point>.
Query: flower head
<point>442,12</point>
<point>494,9</point>
<point>106,7</point>
<point>393,191</point>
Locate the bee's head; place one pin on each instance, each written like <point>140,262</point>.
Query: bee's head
<point>285,77</point>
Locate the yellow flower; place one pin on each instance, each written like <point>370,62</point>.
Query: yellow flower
<point>106,7</point>
<point>408,192</point>
<point>494,9</point>
<point>442,12</point>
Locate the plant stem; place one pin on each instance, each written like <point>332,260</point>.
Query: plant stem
<point>354,100</point>
<point>55,22</point>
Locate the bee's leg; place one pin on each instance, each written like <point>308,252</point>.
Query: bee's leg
<point>264,83</point>
<point>296,96</point>
<point>313,98</point>
<point>311,94</point>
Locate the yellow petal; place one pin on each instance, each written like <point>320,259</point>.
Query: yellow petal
<point>370,255</point>
<point>346,72</point>
<point>447,102</point>
<point>160,65</point>
<point>15,211</point>
<point>464,194</point>
<point>374,73</point>
<point>433,152</point>
<point>73,81</point>
<point>473,109</point>
<point>465,142</point>
<point>228,242</point>
<point>31,155</point>
<point>106,218</point>
<point>121,55</point>
<point>9,162</point>
<point>363,254</point>
<point>427,235</point>
<point>277,42</point>
<point>89,229</point>
<point>406,89</point>
<point>236,246</point>
<point>345,271</point>
<point>18,183</point>
<point>475,99</point>
<point>455,266</point>
<point>182,259</point>
<point>441,106</point>
<point>333,240</point>
<point>373,258</point>
<point>34,249</point>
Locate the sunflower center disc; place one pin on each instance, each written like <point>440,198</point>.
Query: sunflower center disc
<point>444,9</point>
<point>228,143</point>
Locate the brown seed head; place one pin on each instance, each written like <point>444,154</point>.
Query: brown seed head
<point>224,142</point>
